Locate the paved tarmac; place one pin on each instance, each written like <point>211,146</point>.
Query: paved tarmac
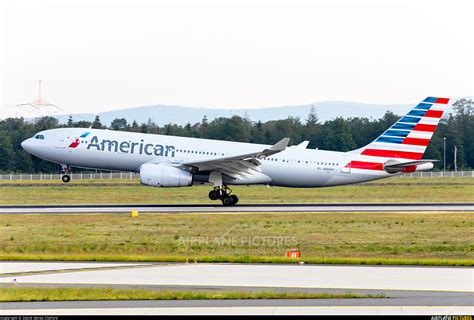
<point>259,275</point>
<point>409,290</point>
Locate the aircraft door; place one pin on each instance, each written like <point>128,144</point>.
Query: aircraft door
<point>346,169</point>
<point>61,141</point>
<point>346,165</point>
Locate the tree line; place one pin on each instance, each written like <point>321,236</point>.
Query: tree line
<point>339,134</point>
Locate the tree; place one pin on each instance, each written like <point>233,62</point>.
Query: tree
<point>97,124</point>
<point>6,153</point>
<point>257,133</point>
<point>453,138</point>
<point>143,128</point>
<point>290,127</point>
<point>312,130</point>
<point>119,124</point>
<point>152,127</point>
<point>188,130</point>
<point>312,119</point>
<point>204,128</point>
<point>45,123</point>
<point>70,123</point>
<point>464,121</point>
<point>23,161</point>
<point>338,135</point>
<point>83,124</point>
<point>135,127</point>
<point>231,129</point>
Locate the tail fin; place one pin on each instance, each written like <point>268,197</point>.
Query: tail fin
<point>409,136</point>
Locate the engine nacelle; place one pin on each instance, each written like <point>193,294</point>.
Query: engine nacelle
<point>159,175</point>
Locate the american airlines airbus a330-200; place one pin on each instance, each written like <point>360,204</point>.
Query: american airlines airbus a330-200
<point>168,161</point>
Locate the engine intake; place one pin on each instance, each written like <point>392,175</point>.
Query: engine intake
<point>159,175</point>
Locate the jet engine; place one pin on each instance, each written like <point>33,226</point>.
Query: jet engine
<point>159,175</point>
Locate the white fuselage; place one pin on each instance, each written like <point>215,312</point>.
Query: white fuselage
<point>127,151</point>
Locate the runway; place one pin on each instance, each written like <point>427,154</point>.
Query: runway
<point>409,290</point>
<point>204,208</point>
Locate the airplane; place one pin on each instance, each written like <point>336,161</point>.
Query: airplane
<point>170,161</point>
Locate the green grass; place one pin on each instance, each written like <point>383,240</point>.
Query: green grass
<point>18,294</point>
<point>235,259</point>
<point>121,191</point>
<point>357,238</point>
<point>74,181</point>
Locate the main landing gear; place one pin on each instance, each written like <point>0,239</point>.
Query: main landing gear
<point>224,194</point>
<point>65,177</point>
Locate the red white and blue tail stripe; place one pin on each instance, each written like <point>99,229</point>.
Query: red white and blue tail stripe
<point>407,139</point>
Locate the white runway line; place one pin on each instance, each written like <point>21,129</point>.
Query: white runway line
<point>421,310</point>
<point>369,207</point>
<point>14,267</point>
<point>352,277</point>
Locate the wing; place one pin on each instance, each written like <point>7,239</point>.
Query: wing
<point>238,166</point>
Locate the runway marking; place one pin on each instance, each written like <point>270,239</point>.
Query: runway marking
<point>44,272</point>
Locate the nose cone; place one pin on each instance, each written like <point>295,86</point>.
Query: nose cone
<point>27,144</point>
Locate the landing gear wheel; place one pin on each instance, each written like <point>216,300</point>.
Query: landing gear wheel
<point>66,178</point>
<point>227,201</point>
<point>214,195</point>
<point>224,194</point>
<point>235,199</point>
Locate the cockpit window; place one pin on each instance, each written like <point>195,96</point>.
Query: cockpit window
<point>39,136</point>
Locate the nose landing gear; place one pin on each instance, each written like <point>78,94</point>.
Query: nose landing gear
<point>224,194</point>
<point>65,177</point>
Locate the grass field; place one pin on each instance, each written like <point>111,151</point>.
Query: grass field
<point>129,191</point>
<point>18,294</point>
<point>370,238</point>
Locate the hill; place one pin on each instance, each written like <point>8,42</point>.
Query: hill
<point>163,114</point>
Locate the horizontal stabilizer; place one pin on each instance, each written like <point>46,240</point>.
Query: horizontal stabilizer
<point>302,145</point>
<point>394,166</point>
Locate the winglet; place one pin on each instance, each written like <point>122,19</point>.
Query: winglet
<point>280,145</point>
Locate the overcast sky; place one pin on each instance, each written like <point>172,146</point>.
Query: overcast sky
<point>102,55</point>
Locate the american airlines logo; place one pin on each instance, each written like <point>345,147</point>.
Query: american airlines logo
<point>76,142</point>
<point>132,147</point>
